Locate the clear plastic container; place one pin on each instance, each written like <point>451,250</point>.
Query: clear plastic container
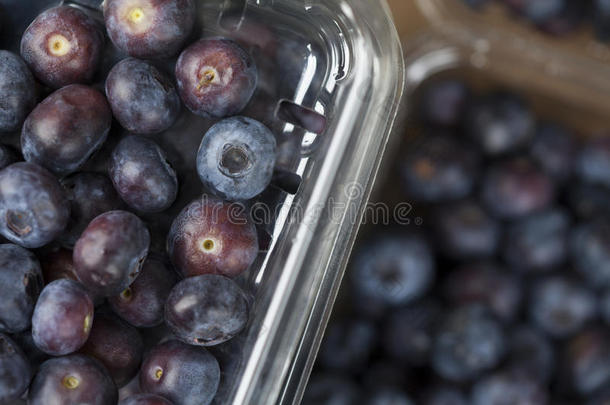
<point>342,59</point>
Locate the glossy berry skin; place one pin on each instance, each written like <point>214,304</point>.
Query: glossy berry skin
<point>593,161</point>
<point>206,310</point>
<point>516,187</point>
<point>15,370</point>
<point>145,399</point>
<point>443,103</point>
<point>63,46</point>
<point>590,251</point>
<point>17,90</point>
<point>62,318</point>
<point>347,345</point>
<point>394,269</point>
<point>216,77</point>
<point>149,29</point>
<point>20,284</point>
<point>90,194</point>
<point>210,236</point>
<point>464,230</point>
<point>468,343</point>
<point>33,207</point>
<point>331,389</point>
<point>143,99</point>
<point>585,367</point>
<point>553,150</point>
<point>117,345</point>
<point>439,168</point>
<point>65,129</point>
<point>183,374</point>
<point>507,388</point>
<point>539,241</point>
<point>142,175</point>
<point>110,252</point>
<point>236,158</point>
<point>560,307</point>
<point>72,380</point>
<point>142,304</point>
<point>500,123</point>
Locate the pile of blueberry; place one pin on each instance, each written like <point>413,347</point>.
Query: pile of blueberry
<point>90,300</point>
<point>502,295</point>
<point>559,17</point>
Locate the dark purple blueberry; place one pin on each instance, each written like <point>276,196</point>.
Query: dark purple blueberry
<point>444,395</point>
<point>539,241</point>
<point>439,168</point>
<point>142,175</point>
<point>90,195</point>
<point>236,158</point>
<point>145,399</point>
<point>485,284</point>
<point>149,29</point>
<point>347,345</point>
<point>110,252</point>
<point>206,310</point>
<point>500,123</point>
<point>8,155</point>
<point>185,375</point>
<point>33,207</point>
<point>331,389</point>
<point>216,77</point>
<point>72,380</point>
<point>531,354</point>
<point>64,131</point>
<point>468,343</point>
<point>211,236</point>
<point>516,187</point>
<point>560,306</point>
<point>589,201</point>
<point>117,345</point>
<point>62,318</point>
<point>20,284</point>
<point>394,269</point>
<point>143,99</point>
<point>132,388</point>
<point>34,355</point>
<point>508,389</point>
<point>17,91</point>
<point>585,367</point>
<point>388,396</point>
<point>464,230</point>
<point>601,21</point>
<point>408,333</point>
<point>63,46</point>
<point>142,304</point>
<point>15,370</point>
<point>593,161</point>
<point>553,149</point>
<point>590,250</point>
<point>443,102</point>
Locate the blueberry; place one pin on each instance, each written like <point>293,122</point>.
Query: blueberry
<point>394,269</point>
<point>347,345</point>
<point>560,306</point>
<point>590,250</point>
<point>388,396</point>
<point>62,318</point>
<point>64,131</point>
<point>142,98</point>
<point>72,380</point>
<point>468,343</point>
<point>531,354</point>
<point>508,389</point>
<point>17,91</point>
<point>443,102</point>
<point>15,370</point>
<point>149,29</point>
<point>439,168</point>
<point>553,150</point>
<point>585,367</point>
<point>444,395</point>
<point>331,389</point>
<point>142,175</point>
<point>593,161</point>
<point>206,310</point>
<point>539,241</point>
<point>90,195</point>
<point>8,156</point>
<point>142,303</point>
<point>211,236</point>
<point>132,389</point>
<point>145,399</point>
<point>34,355</point>
<point>117,345</point>
<point>63,46</point>
<point>236,158</point>
<point>33,207</point>
<point>110,252</point>
<point>216,77</point>
<point>464,230</point>
<point>20,284</point>
<point>516,187</point>
<point>183,374</point>
<point>485,284</point>
<point>589,201</point>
